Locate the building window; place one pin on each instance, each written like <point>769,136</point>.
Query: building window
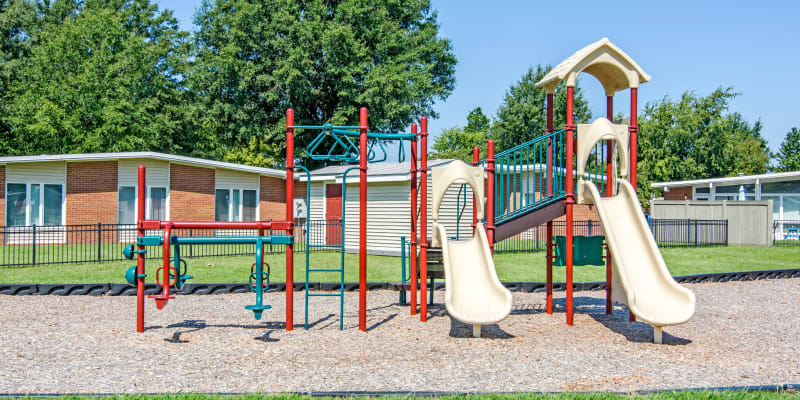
<point>235,205</point>
<point>126,209</point>
<point>34,204</point>
<point>157,208</point>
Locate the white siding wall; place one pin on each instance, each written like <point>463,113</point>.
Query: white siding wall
<point>228,179</point>
<point>38,172</point>
<point>389,215</point>
<point>156,173</point>
<point>317,206</point>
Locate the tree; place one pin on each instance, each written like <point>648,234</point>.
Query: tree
<point>325,59</point>
<point>523,114</point>
<point>102,75</point>
<point>458,142</point>
<point>696,138</point>
<point>788,156</point>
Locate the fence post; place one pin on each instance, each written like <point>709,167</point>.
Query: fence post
<point>270,235</point>
<point>34,245</point>
<point>688,231</point>
<point>695,233</point>
<point>190,246</point>
<point>99,244</point>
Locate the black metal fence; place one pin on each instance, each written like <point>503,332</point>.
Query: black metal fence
<point>786,233</point>
<point>667,232</point>
<point>97,243</point>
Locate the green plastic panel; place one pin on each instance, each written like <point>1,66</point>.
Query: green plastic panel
<point>587,250</point>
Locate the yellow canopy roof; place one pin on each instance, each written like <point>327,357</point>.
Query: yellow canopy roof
<point>602,59</point>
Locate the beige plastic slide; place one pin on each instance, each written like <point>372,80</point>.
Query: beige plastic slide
<point>473,293</point>
<point>640,277</point>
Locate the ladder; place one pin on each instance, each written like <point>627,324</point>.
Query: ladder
<point>340,269</point>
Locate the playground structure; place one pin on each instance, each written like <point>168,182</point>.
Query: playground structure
<point>527,185</point>
<point>345,144</point>
<point>535,183</point>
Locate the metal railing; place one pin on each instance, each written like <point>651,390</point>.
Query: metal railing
<point>98,243</point>
<point>528,176</point>
<point>786,233</point>
<point>690,232</point>
<point>667,233</point>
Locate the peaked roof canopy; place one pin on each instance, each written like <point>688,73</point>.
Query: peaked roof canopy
<point>602,59</point>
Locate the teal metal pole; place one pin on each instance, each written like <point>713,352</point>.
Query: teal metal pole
<point>344,213</point>
<point>402,299</point>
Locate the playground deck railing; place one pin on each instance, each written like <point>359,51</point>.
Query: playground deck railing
<point>98,243</point>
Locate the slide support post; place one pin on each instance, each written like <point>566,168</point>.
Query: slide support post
<point>362,223</point>
<point>570,200</point>
<point>140,210</point>
<point>423,221</point>
<point>289,218</point>
<point>413,255</point>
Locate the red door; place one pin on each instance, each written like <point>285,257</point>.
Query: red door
<point>333,214</point>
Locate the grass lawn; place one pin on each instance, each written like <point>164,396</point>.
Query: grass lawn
<point>510,266</point>
<point>706,395</point>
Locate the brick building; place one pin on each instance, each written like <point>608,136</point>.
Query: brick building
<point>72,189</point>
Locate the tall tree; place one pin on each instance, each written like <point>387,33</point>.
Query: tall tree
<point>323,58</point>
<point>788,156</point>
<point>105,75</point>
<point>523,114</point>
<point>696,137</point>
<point>458,142</point>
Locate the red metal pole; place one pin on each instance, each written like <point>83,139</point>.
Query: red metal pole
<point>550,177</point>
<point>550,145</point>
<point>160,303</point>
<point>475,159</point>
<point>423,221</point>
<point>413,251</point>
<point>549,301</point>
<point>140,256</point>
<point>610,174</point>
<point>570,199</point>
<point>634,130</point>
<point>289,217</point>
<point>362,224</point>
<point>490,194</point>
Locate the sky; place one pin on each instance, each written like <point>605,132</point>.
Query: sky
<point>697,46</point>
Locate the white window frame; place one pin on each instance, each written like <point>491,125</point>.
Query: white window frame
<point>135,202</point>
<point>241,202</point>
<point>41,201</point>
<point>147,203</point>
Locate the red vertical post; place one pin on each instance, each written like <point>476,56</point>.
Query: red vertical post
<point>610,175</point>
<point>550,146</point>
<point>289,217</point>
<point>140,201</point>
<point>475,159</point>
<point>549,260</point>
<point>423,221</point>
<point>570,199</point>
<point>160,303</point>
<point>550,177</point>
<point>633,129</point>
<point>413,274</point>
<point>362,223</point>
<point>490,194</point>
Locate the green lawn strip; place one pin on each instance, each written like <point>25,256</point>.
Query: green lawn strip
<point>528,267</point>
<point>684,395</point>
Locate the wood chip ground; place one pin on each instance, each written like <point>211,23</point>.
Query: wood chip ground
<point>743,333</point>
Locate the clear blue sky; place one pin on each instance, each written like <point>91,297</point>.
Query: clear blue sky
<point>683,45</point>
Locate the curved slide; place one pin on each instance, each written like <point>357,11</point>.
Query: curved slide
<point>473,294</point>
<point>640,277</point>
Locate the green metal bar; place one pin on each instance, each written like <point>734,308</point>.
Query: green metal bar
<point>307,233</point>
<point>344,214</point>
<point>514,187</point>
<point>324,269</point>
<point>323,295</point>
<point>275,239</point>
<point>326,126</point>
<point>403,280</point>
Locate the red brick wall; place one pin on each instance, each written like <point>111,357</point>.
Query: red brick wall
<point>91,192</point>
<point>191,193</point>
<point>678,193</point>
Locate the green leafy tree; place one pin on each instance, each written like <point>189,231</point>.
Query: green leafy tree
<point>788,156</point>
<point>102,75</point>
<point>696,137</point>
<point>458,142</point>
<point>325,59</point>
<point>523,114</point>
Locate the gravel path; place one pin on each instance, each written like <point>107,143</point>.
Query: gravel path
<point>743,333</point>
